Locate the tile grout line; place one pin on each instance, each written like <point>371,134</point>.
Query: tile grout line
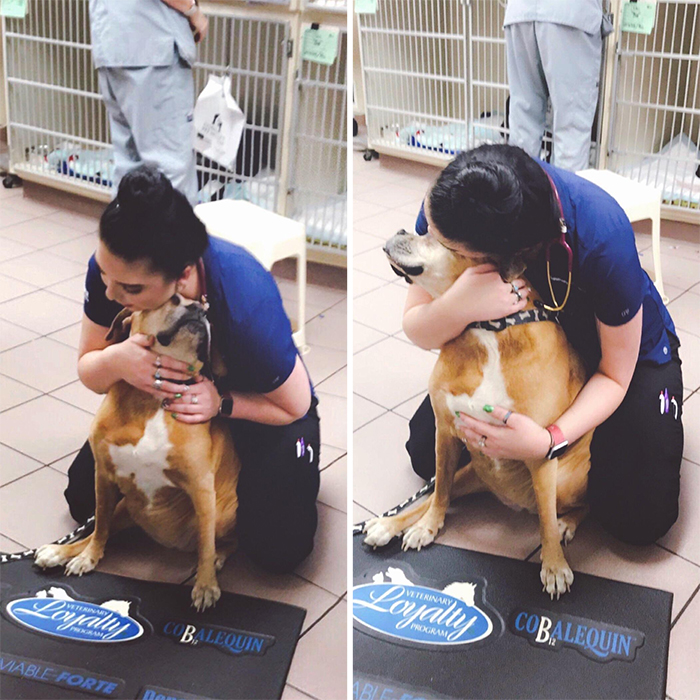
<point>676,554</point>
<point>685,607</point>
<point>326,613</point>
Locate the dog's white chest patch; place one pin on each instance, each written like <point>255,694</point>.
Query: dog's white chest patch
<point>491,391</point>
<point>145,461</point>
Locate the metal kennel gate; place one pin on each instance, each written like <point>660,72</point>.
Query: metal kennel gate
<point>655,121</point>
<point>58,130</point>
<point>317,185</point>
<point>57,123</point>
<point>435,77</point>
<point>255,52</point>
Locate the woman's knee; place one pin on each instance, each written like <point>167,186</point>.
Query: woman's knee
<point>279,545</point>
<point>641,523</point>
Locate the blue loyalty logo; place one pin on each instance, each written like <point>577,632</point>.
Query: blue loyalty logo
<point>596,640</point>
<point>55,613</point>
<point>395,606</point>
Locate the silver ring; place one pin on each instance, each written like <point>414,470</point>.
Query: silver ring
<point>482,442</point>
<point>158,384</point>
<point>157,375</point>
<point>159,362</point>
<point>506,417</point>
<point>516,291</point>
<point>194,399</point>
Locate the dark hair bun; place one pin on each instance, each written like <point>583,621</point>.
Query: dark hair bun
<point>144,192</point>
<point>151,220</point>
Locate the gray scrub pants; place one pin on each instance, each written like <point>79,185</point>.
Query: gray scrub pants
<point>150,115</point>
<point>562,63</point>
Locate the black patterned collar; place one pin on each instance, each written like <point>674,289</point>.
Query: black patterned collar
<point>530,316</point>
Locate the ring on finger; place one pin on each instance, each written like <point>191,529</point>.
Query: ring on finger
<point>157,375</point>
<point>516,291</point>
<point>482,442</point>
<point>157,384</point>
<point>194,398</point>
<point>506,417</point>
<point>159,361</point>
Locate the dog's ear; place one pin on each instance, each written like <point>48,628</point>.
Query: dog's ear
<point>121,326</point>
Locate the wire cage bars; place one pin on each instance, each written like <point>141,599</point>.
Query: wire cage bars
<point>318,177</point>
<point>436,79</point>
<point>655,124</point>
<point>58,126</point>
<point>254,52</point>
<point>57,122</point>
<point>414,58</point>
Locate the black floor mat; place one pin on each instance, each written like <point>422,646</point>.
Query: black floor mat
<point>121,638</point>
<point>450,623</point>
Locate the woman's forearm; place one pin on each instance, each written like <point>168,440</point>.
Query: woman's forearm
<point>99,370</point>
<point>431,325</point>
<point>596,402</point>
<point>260,409</point>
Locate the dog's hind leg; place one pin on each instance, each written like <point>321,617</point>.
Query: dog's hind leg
<point>569,522</point>
<point>224,550</point>
<point>447,451</point>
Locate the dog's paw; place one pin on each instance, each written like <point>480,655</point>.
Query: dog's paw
<point>379,532</point>
<point>567,530</point>
<point>418,536</point>
<point>205,595</point>
<point>556,579</point>
<point>82,564</point>
<point>50,555</point>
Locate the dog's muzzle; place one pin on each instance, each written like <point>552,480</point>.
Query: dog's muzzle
<point>195,321</point>
<point>394,248</point>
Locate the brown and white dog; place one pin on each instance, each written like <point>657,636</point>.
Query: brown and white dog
<point>178,480</point>
<point>529,369</point>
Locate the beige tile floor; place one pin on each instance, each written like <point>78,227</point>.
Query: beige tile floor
<point>390,379</point>
<point>45,413</point>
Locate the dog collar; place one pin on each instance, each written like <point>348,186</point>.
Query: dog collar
<point>539,313</point>
<point>189,381</point>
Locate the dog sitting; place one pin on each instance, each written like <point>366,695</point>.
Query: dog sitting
<point>528,368</point>
<point>178,480</point>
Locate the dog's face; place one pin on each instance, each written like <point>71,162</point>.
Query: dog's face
<point>180,328</point>
<point>425,261</point>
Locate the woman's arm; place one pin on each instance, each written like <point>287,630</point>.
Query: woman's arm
<point>606,389</point>
<point>286,404</point>
<point>522,438</point>
<point>478,294</point>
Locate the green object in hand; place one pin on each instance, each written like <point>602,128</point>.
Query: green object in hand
<point>488,409</point>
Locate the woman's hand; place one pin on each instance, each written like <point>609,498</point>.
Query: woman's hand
<point>519,438</point>
<point>139,366</point>
<point>200,25</point>
<point>481,290</point>
<point>195,403</point>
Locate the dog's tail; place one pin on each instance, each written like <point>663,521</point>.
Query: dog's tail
<point>428,488</point>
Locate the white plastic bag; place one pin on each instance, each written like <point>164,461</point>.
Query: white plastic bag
<point>218,122</point>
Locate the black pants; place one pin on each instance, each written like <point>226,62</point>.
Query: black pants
<point>634,482</point>
<point>277,489</point>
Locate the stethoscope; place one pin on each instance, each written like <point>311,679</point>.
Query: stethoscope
<point>562,242</point>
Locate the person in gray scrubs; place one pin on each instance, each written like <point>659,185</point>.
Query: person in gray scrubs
<point>554,49</point>
<point>144,51</point>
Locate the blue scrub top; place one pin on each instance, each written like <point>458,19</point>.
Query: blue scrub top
<point>251,329</point>
<point>608,281</point>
